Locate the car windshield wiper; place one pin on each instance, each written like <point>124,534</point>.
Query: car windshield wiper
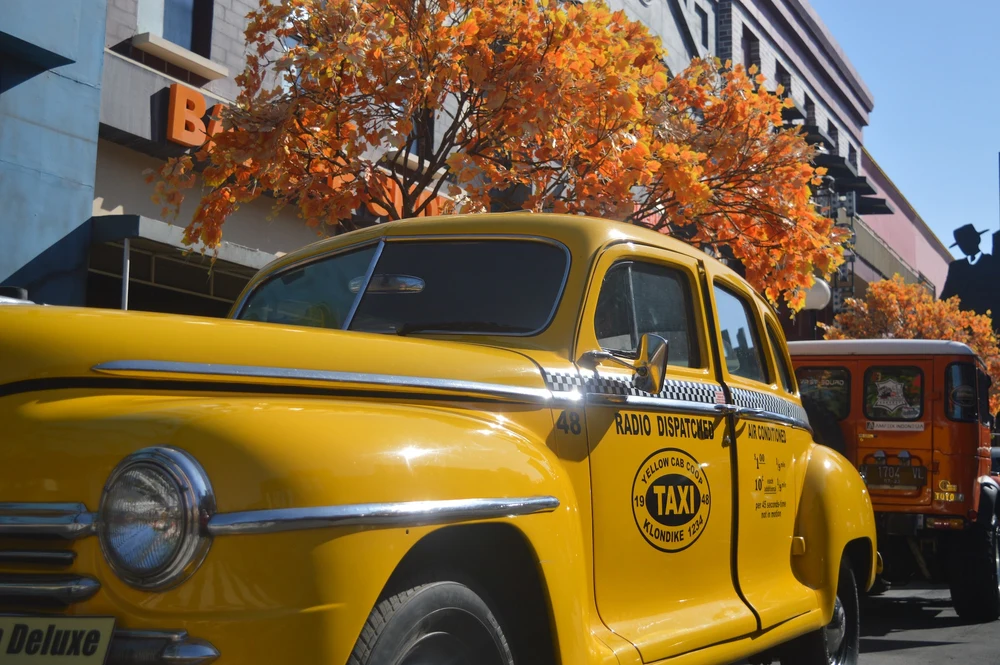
<point>459,326</point>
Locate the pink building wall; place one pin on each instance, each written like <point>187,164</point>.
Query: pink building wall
<point>904,230</point>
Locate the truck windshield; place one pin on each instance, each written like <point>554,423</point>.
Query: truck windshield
<point>493,286</point>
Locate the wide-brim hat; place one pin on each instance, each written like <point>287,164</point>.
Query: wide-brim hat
<point>966,231</point>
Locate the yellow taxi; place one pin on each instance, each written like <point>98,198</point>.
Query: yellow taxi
<point>487,439</point>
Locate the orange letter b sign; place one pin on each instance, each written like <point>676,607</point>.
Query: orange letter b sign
<point>184,117</point>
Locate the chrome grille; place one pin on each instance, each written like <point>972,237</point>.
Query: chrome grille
<point>39,522</point>
<point>38,557</point>
<point>45,520</point>
<point>53,524</point>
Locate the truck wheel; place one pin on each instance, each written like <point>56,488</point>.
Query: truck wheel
<point>440,622</point>
<point>975,575</point>
<point>837,643</point>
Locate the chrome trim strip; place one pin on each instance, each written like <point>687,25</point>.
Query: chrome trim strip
<point>42,520</point>
<point>404,513</point>
<point>53,508</point>
<point>364,286</point>
<point>40,557</point>
<point>61,589</point>
<point>381,380</point>
<point>655,404</point>
<point>766,416</point>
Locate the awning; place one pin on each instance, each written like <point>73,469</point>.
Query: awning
<point>116,228</point>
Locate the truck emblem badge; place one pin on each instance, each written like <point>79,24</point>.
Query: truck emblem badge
<point>890,395</point>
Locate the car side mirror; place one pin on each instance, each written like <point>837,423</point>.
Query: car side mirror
<point>651,364</point>
<point>649,367</point>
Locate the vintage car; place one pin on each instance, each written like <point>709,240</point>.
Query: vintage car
<point>490,439</point>
<point>913,415</point>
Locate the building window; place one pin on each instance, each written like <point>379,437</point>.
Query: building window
<point>751,49</point>
<point>188,23</point>
<point>810,111</point>
<point>783,78</point>
<point>703,23</point>
<point>852,157</point>
<point>834,135</point>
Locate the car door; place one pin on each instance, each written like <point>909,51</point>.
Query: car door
<point>771,444</point>
<point>661,473</point>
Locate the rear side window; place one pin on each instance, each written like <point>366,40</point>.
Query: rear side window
<point>894,393</point>
<point>827,387</point>
<point>961,400</point>
<point>779,359</point>
<point>739,336</point>
<point>639,298</point>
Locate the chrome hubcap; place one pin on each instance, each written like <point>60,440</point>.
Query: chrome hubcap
<point>836,630</point>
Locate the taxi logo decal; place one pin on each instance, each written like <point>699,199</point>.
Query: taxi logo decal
<point>671,500</point>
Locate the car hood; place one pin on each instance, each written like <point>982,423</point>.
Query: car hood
<point>53,347</point>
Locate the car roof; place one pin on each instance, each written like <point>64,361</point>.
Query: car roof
<point>880,347</point>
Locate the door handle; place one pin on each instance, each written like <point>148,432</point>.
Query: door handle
<point>727,408</point>
<point>865,435</point>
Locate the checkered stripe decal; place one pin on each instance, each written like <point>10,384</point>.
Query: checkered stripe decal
<point>619,384</point>
<point>753,399</point>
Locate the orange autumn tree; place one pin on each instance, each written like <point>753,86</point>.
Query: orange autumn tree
<point>351,106</point>
<point>895,309</point>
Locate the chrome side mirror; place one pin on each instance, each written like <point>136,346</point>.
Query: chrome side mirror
<point>651,364</point>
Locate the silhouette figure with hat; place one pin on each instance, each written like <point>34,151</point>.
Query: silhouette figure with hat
<point>972,279</point>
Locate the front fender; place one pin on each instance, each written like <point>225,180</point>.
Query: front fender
<point>301,596</point>
<point>835,510</point>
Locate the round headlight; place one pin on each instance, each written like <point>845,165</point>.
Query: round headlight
<point>153,517</point>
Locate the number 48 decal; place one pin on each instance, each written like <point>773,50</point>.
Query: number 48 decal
<point>569,422</point>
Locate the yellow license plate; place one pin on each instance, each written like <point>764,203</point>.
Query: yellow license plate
<point>44,640</point>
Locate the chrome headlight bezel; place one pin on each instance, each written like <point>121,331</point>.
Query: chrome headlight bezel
<point>197,506</point>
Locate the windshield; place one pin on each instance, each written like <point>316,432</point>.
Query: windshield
<point>504,287</point>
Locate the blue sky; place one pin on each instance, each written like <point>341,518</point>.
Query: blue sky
<point>934,70</point>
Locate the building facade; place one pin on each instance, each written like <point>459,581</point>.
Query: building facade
<point>789,44</point>
<point>140,78</point>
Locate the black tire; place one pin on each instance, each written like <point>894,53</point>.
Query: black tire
<point>822,647</point>
<point>975,575</point>
<point>440,622</point>
<point>879,587</point>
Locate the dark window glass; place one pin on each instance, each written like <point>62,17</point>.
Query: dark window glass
<point>640,298</point>
<point>739,337</point>
<point>317,294</point>
<point>178,21</point>
<point>493,286</point>
<point>188,23</point>
<point>983,389</point>
<point>894,393</point>
<point>613,322</point>
<point>782,76</point>
<point>702,24</point>
<point>476,286</point>
<point>751,48</point>
<point>779,358</point>
<point>810,111</point>
<point>961,401</point>
<point>829,387</point>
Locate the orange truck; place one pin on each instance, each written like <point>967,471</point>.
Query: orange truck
<point>913,417</point>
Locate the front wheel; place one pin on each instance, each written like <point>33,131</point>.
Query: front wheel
<point>975,574</point>
<point>837,643</point>
<point>430,624</point>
